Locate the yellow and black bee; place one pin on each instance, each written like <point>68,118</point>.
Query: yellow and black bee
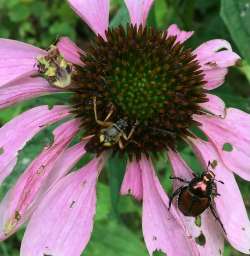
<point>55,69</point>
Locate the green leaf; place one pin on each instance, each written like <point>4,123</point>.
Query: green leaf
<point>161,13</point>
<point>103,206</point>
<point>236,15</point>
<point>114,239</point>
<point>116,168</point>
<point>245,69</point>
<point>121,17</point>
<point>20,13</point>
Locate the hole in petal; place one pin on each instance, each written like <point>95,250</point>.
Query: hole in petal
<point>201,239</point>
<point>222,49</point>
<point>198,221</point>
<point>1,150</point>
<point>227,147</point>
<point>159,253</point>
<point>220,252</point>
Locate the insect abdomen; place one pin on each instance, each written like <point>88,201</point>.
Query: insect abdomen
<point>192,205</point>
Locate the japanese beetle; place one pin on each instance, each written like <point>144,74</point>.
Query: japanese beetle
<point>198,195</point>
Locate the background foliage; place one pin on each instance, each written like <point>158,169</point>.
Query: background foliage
<point>40,22</point>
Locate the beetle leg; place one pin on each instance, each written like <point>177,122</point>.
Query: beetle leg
<point>219,181</point>
<point>102,123</point>
<point>214,190</point>
<point>216,217</point>
<point>217,194</point>
<point>194,174</point>
<point>176,193</point>
<point>179,179</point>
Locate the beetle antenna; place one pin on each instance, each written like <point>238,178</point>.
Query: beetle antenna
<point>209,164</point>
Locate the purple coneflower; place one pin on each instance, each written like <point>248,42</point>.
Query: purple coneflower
<point>137,92</point>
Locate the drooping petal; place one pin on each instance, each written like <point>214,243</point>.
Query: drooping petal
<point>181,35</point>
<point>229,205</point>
<point>132,182</point>
<point>223,59</point>
<point>215,56</point>
<point>24,89</point>
<point>19,202</point>
<point>94,12</point>
<point>21,129</point>
<point>208,228</point>
<point>214,105</point>
<point>17,60</point>
<point>160,229</point>
<point>208,48</point>
<point>214,77</point>
<point>63,222</point>
<point>139,10</point>
<point>231,137</point>
<point>70,51</point>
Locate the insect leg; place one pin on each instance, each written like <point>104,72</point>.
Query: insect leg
<point>179,179</point>
<point>214,190</point>
<point>121,146</point>
<point>219,181</point>
<point>216,217</point>
<point>176,193</point>
<point>109,114</point>
<point>131,132</point>
<point>102,123</point>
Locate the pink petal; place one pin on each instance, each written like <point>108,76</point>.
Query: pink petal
<point>94,12</point>
<point>24,89</point>
<point>234,130</point>
<point>215,105</point>
<point>208,48</point>
<point>132,182</point>
<point>209,227</point>
<point>17,60</point>
<point>70,51</point>
<point>181,35</point>
<point>213,235</point>
<point>21,129</point>
<point>21,199</point>
<point>67,161</point>
<point>160,229</point>
<point>139,10</point>
<point>229,205</point>
<point>63,222</point>
<point>215,56</point>
<point>214,78</point>
<point>223,59</point>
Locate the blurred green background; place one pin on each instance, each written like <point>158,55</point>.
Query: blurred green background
<point>117,229</point>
